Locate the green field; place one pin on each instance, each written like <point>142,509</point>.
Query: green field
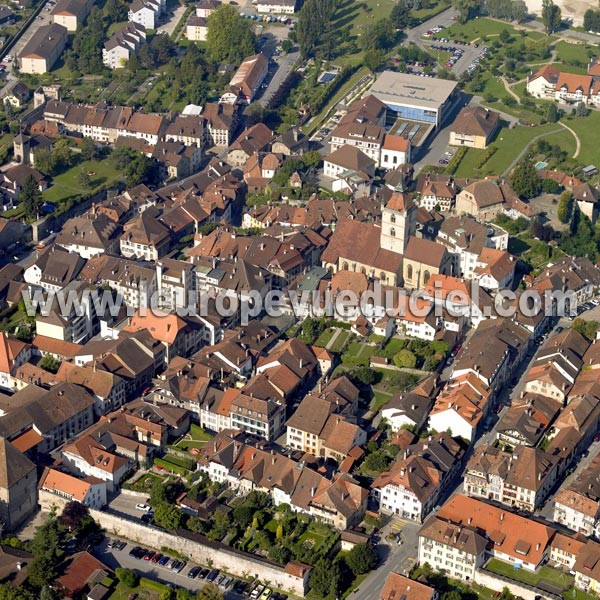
<point>325,337</point>
<point>573,53</point>
<point>544,574</point>
<point>66,185</point>
<point>587,129</point>
<point>475,29</point>
<point>511,141</point>
<point>340,341</point>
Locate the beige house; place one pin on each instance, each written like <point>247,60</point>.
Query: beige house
<point>18,486</point>
<point>474,127</point>
<point>43,49</point>
<point>71,13</point>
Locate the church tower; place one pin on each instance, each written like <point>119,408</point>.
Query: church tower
<point>398,222</point>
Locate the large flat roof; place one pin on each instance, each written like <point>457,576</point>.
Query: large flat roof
<point>413,90</point>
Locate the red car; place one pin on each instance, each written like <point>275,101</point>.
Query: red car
<point>149,555</point>
<point>156,557</point>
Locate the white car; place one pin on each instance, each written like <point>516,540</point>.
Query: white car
<point>144,507</point>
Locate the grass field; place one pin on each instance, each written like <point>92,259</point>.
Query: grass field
<point>197,439</point>
<point>325,338</point>
<point>340,341</point>
<point>475,29</point>
<point>66,185</point>
<point>511,141</point>
<point>587,129</point>
<point>544,574</point>
<point>573,53</point>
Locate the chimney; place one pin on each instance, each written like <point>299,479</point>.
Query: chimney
<point>502,516</point>
<point>312,492</point>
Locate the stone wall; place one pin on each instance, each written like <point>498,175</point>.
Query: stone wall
<point>521,590</point>
<point>199,549</point>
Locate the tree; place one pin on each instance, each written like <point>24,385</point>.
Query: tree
<point>377,461</point>
<point>30,196</point>
<point>405,358</point>
<point>83,179</point>
<point>230,36</point>
<point>519,10</point>
<point>565,207</point>
<point>452,595</point>
<point>364,375</point>
<point>287,45</point>
<point>591,20</point>
<point>47,553</point>
<point>51,364</point>
<point>74,513</point>
<point>128,577</point>
<point>158,493</point>
<point>47,593</point>
<point>44,161</point>
<point>243,514</point>
<point>551,16</point>
<point>89,150</point>
<point>167,593</point>
<point>280,554</point>
<point>209,592</point>
<point>62,154</point>
<point>314,29</point>
<point>587,329</point>
<point>400,15</point>
<point>10,592</point>
<point>551,113</point>
<point>525,180</point>
<point>321,582</point>
<point>379,36</point>
<point>467,9</point>
<point>373,59</point>
<point>220,525</point>
<point>312,159</point>
<point>168,515</point>
<point>362,558</point>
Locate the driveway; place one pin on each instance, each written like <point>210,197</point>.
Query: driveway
<point>172,19</point>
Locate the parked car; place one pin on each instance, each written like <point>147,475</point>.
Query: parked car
<point>180,566</point>
<point>156,557</point>
<point>203,573</point>
<point>193,572</point>
<point>212,575</point>
<point>144,507</point>
<point>163,561</point>
<point>149,555</point>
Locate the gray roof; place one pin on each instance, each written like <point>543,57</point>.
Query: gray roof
<point>44,40</point>
<point>412,90</point>
<point>13,464</point>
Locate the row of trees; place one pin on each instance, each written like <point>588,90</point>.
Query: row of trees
<point>591,20</point>
<point>508,10</point>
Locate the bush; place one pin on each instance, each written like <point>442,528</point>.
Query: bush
<point>128,577</point>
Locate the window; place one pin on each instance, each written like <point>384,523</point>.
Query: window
<point>393,218</point>
<point>393,232</point>
<point>426,276</point>
<point>409,271</point>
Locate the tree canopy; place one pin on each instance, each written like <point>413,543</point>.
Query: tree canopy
<point>230,37</point>
<point>551,16</point>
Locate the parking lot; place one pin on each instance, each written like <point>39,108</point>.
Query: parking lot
<point>176,572</point>
<point>463,56</point>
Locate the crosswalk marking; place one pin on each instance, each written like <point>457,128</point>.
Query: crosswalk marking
<point>398,523</point>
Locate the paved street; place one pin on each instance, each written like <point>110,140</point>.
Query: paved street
<point>125,504</point>
<point>43,18</point>
<point>397,559</point>
<point>548,509</point>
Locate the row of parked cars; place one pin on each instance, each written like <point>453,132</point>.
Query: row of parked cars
<point>476,62</point>
<point>254,591</point>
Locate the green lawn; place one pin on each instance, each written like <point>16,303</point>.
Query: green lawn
<point>198,439</point>
<point>468,165</point>
<point>380,399</point>
<point>146,590</point>
<point>476,28</point>
<point>575,594</point>
<point>66,185</point>
<point>325,338</point>
<point>340,341</point>
<point>587,129</point>
<point>511,141</point>
<point>573,53</point>
<point>544,574</point>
